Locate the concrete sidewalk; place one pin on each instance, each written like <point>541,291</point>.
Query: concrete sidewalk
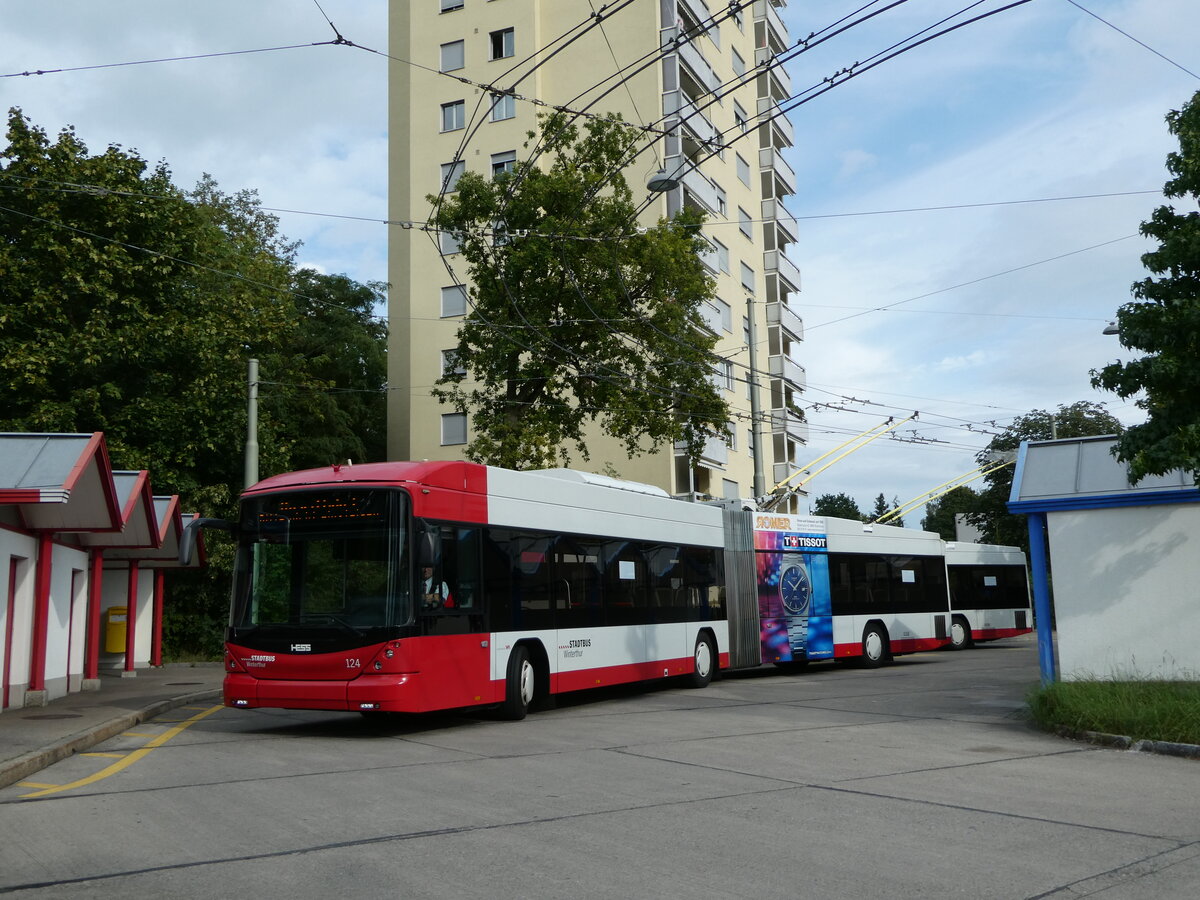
<point>36,737</point>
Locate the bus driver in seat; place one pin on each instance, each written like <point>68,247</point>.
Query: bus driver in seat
<point>434,595</point>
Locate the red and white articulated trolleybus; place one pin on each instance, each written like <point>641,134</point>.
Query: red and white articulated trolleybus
<point>412,587</point>
<point>989,593</point>
<point>831,588</point>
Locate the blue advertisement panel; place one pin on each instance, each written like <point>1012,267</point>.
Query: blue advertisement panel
<point>794,611</point>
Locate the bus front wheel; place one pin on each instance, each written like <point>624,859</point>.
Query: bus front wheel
<point>874,647</point>
<point>519,685</point>
<point>704,662</point>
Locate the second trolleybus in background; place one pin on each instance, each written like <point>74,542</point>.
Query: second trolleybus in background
<point>413,587</point>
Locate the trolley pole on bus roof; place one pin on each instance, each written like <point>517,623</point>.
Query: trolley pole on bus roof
<point>250,472</point>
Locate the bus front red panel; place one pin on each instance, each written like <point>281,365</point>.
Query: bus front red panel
<point>248,691</point>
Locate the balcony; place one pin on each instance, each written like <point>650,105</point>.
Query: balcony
<point>711,260</point>
<point>769,30</point>
<point>783,471</point>
<point>715,453</point>
<point>700,70</point>
<point>695,185</point>
<point>789,370</point>
<point>771,161</point>
<point>789,228</point>
<point>769,109</point>
<point>784,421</point>
<point>677,103</point>
<point>782,80</point>
<point>777,263</point>
<point>779,313</point>
<point>697,9</point>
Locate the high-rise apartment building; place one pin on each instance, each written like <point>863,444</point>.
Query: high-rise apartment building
<point>709,87</point>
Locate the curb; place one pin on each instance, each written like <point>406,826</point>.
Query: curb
<point>21,767</point>
<point>1124,742</point>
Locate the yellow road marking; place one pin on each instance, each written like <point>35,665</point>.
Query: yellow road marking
<point>128,760</point>
<point>113,755</point>
<point>136,734</point>
<point>36,784</point>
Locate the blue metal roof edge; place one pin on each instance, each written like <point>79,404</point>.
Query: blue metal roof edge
<point>1105,501</point>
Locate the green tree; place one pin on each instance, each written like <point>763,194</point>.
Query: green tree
<point>131,307</point>
<point>882,508</point>
<point>577,316</point>
<point>1164,321</point>
<point>940,513</point>
<point>841,506</point>
<point>339,411</point>
<point>1080,419</point>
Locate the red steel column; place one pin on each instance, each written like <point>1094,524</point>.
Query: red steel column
<point>131,615</point>
<point>41,612</point>
<point>91,660</point>
<point>156,634</point>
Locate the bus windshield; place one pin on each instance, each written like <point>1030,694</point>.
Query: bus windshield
<point>330,562</point>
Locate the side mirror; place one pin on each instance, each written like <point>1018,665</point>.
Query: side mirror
<point>187,540</point>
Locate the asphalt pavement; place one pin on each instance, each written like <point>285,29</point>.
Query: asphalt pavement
<point>35,737</point>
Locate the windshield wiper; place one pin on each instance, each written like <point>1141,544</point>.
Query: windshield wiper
<point>329,617</point>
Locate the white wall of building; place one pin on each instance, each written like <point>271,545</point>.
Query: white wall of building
<point>1125,591</point>
<point>15,662</point>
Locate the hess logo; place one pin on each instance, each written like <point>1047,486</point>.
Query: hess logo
<point>302,648</point>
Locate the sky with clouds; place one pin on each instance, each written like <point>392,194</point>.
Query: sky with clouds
<point>970,313</point>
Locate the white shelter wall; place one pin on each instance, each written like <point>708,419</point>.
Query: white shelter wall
<point>1124,586</point>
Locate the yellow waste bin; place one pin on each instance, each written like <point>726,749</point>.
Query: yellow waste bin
<point>115,618</point>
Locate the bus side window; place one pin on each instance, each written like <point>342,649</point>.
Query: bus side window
<point>463,544</point>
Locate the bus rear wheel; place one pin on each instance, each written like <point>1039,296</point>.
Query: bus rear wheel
<point>960,634</point>
<point>704,662</point>
<point>520,685</point>
<point>874,647</point>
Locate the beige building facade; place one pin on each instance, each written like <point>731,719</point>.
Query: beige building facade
<point>662,62</point>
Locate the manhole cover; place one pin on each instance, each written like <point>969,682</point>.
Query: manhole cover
<point>183,683</point>
<point>55,716</point>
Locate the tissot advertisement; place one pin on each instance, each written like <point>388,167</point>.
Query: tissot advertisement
<point>793,589</point>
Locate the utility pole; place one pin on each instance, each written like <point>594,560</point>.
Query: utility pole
<point>760,481</point>
<point>251,467</point>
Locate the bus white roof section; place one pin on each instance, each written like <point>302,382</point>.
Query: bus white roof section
<point>571,505</point>
<point>577,477</point>
<point>960,553</point>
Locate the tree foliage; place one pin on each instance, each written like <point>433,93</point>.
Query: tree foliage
<point>577,317</point>
<point>1164,321</point>
<point>882,508</point>
<point>1080,419</point>
<point>940,513</point>
<point>840,506</point>
<point>130,306</point>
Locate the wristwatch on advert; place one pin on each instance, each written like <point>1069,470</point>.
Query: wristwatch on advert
<point>795,588</point>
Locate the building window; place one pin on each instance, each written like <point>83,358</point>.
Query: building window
<point>739,117</point>
<point>503,107</point>
<point>504,162</point>
<point>452,56</point>
<point>501,43</point>
<point>722,256</point>
<point>731,435</point>
<point>722,207</point>
<point>730,488</point>
<point>454,429</point>
<point>451,5</point>
<point>450,365</point>
<point>739,64</point>
<point>454,300</point>
<point>743,169</point>
<point>723,375</point>
<point>744,223</point>
<point>451,172</point>
<point>454,115</point>
<point>448,242</point>
<point>747,278</point>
